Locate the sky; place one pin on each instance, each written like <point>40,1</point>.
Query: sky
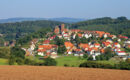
<point>64,8</point>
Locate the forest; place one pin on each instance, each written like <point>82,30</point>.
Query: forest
<point>13,31</point>
<point>120,25</point>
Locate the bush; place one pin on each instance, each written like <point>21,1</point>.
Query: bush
<point>90,58</point>
<point>50,62</point>
<point>66,65</point>
<point>94,64</point>
<point>12,60</point>
<point>124,65</point>
<point>20,61</point>
<point>33,61</point>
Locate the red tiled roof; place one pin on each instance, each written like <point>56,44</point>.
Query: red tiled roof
<point>77,50</point>
<point>97,44</point>
<point>121,51</point>
<point>83,45</point>
<point>46,42</point>
<point>106,43</point>
<point>68,44</point>
<point>80,35</point>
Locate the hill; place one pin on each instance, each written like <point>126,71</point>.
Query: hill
<point>63,19</point>
<point>12,31</point>
<point>120,25</point>
<point>60,73</point>
<point>68,20</point>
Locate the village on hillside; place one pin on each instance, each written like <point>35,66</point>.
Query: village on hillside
<point>76,42</point>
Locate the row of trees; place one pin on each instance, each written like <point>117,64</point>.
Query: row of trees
<point>94,64</point>
<point>17,57</point>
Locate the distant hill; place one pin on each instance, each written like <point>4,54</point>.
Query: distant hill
<point>66,20</point>
<point>120,25</point>
<point>12,20</point>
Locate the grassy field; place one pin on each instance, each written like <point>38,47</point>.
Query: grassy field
<point>74,61</point>
<point>3,61</point>
<point>70,61</point>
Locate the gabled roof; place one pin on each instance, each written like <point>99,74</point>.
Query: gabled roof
<point>96,44</point>
<point>47,47</point>
<point>83,45</point>
<point>116,43</point>
<point>68,44</point>
<point>77,50</point>
<point>46,42</point>
<point>121,51</point>
<point>80,35</point>
<point>102,50</point>
<point>106,43</point>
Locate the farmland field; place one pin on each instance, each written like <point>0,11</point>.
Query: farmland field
<point>60,73</point>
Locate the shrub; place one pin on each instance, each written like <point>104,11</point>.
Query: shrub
<point>66,65</point>
<point>50,62</point>
<point>19,61</point>
<point>94,64</point>
<point>33,61</point>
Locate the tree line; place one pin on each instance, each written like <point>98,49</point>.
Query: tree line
<point>120,25</point>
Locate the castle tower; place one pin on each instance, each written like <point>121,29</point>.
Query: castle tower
<point>62,27</point>
<point>57,30</point>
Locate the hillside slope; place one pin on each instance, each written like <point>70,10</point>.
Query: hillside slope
<point>60,73</point>
<point>12,31</point>
<point>120,25</point>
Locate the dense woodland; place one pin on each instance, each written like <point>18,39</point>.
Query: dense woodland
<point>16,30</point>
<point>120,25</point>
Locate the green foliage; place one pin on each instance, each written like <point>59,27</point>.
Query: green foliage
<point>85,56</point>
<point>121,25</point>
<point>59,42</point>
<point>39,34</point>
<point>17,52</point>
<point>123,65</point>
<point>106,56</point>
<point>33,61</point>
<point>61,49</point>
<point>77,39</point>
<point>4,52</point>
<point>90,58</point>
<point>17,56</point>
<point>66,65</point>
<point>50,62</point>
<point>20,29</point>
<point>127,49</point>
<point>2,42</point>
<point>12,60</point>
<point>95,64</point>
<point>84,40</point>
<point>19,61</point>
